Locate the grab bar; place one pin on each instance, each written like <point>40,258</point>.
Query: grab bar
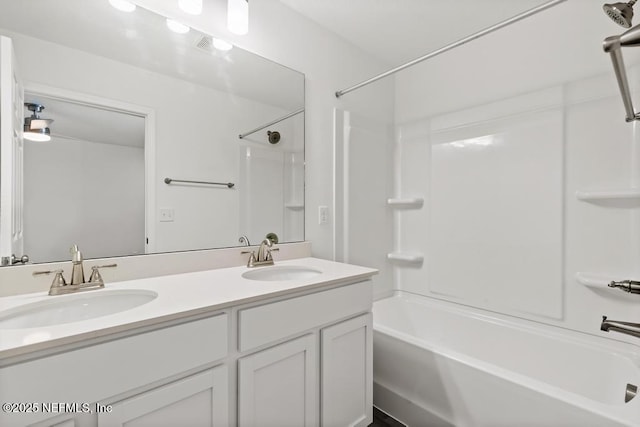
<point>170,180</point>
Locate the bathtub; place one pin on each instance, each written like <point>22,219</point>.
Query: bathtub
<point>441,364</point>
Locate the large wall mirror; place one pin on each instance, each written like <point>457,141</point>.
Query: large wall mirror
<point>137,109</point>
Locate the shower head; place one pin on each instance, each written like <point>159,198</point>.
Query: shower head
<point>621,13</point>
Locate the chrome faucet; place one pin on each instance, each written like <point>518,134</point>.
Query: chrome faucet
<point>622,327</point>
<point>77,270</point>
<point>631,286</point>
<point>263,256</point>
<point>264,252</point>
<point>59,286</point>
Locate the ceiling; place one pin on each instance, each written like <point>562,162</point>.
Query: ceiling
<point>397,31</point>
<point>142,40</point>
<point>90,124</point>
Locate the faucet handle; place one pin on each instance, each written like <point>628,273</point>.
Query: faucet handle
<point>252,258</point>
<point>56,272</point>
<point>58,279</point>
<point>96,277</point>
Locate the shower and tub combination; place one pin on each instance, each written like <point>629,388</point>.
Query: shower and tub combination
<point>516,227</point>
<point>439,364</point>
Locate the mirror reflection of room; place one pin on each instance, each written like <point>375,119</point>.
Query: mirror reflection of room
<point>151,104</point>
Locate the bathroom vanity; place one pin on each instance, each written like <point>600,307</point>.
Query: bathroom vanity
<point>288,345</point>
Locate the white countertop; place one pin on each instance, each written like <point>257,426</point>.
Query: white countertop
<point>179,296</point>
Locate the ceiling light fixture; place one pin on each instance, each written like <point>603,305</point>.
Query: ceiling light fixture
<point>193,7</point>
<point>35,128</point>
<point>222,45</point>
<point>177,27</point>
<point>123,5</point>
<point>238,16</point>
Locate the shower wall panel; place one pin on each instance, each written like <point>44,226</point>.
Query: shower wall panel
<point>492,226</point>
<point>496,203</point>
<point>363,181</point>
<point>510,222</point>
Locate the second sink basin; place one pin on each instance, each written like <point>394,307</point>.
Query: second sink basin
<point>74,308</point>
<point>281,272</point>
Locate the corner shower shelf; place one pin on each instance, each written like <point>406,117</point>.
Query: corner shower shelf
<point>612,194</point>
<point>415,202</point>
<point>408,257</point>
<point>294,206</point>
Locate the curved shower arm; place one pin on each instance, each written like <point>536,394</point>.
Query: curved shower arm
<point>612,45</point>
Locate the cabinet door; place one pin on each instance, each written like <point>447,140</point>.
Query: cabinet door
<point>277,387</point>
<point>68,420</point>
<point>198,400</point>
<point>347,373</point>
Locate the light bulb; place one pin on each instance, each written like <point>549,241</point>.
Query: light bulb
<point>238,16</point>
<point>37,136</point>
<point>193,7</point>
<point>222,44</point>
<point>177,27</point>
<point>123,5</point>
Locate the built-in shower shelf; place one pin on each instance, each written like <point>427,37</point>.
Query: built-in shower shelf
<point>294,206</point>
<point>611,194</point>
<point>415,202</point>
<point>408,257</point>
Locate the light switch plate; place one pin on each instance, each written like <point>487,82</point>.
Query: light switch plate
<point>166,215</point>
<point>323,214</point>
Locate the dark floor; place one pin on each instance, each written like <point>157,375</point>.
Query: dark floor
<point>380,419</point>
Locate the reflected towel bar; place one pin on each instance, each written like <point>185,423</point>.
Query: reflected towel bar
<point>170,180</point>
<point>243,135</point>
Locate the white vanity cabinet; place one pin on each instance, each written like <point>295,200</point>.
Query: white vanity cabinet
<point>151,366</point>
<point>278,386</point>
<point>347,373</point>
<point>197,400</point>
<point>298,359</point>
<point>316,368</point>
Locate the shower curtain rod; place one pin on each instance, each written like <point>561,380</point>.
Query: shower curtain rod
<point>242,135</point>
<point>453,45</point>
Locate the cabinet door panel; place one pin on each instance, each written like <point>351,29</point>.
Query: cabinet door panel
<point>198,400</point>
<point>347,373</point>
<point>277,386</point>
<point>66,420</point>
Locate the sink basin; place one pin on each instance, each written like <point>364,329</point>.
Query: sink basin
<point>281,272</point>
<point>58,310</point>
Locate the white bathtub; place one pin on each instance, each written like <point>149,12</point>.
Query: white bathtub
<point>439,364</point>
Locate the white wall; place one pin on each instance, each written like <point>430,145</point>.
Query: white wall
<point>84,193</point>
<point>498,136</point>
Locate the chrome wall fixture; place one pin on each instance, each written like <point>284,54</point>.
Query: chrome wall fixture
<point>273,137</point>
<point>453,45</point>
<point>612,45</point>
<point>621,13</point>
<point>36,128</point>
<point>185,181</point>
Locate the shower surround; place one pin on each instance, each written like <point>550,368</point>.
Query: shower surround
<point>515,200</point>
